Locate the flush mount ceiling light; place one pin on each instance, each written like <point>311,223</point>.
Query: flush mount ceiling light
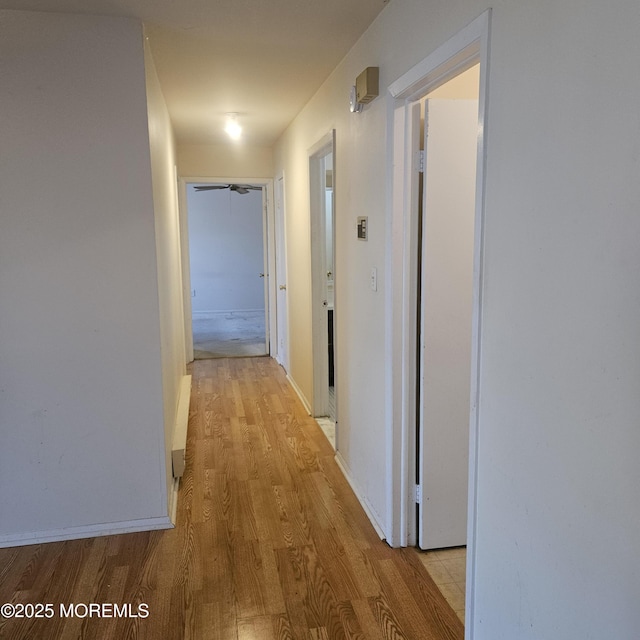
<point>233,129</point>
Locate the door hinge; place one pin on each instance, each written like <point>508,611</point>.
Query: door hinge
<point>417,493</point>
<point>421,161</point>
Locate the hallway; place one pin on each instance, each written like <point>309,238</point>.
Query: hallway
<point>270,541</point>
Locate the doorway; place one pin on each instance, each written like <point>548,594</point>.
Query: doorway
<point>322,211</point>
<point>467,48</point>
<point>446,213</point>
<point>226,248</point>
<point>282,311</point>
<point>449,117</point>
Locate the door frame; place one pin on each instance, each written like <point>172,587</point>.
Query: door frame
<point>281,267</point>
<point>468,47</point>
<point>269,256</point>
<point>317,214</point>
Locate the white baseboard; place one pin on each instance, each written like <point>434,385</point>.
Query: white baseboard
<point>179,445</point>
<point>173,501</point>
<point>206,314</point>
<point>368,509</point>
<point>299,393</point>
<point>87,531</point>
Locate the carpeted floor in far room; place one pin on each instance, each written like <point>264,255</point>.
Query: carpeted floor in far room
<point>229,334</point>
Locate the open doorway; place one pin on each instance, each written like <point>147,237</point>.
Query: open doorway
<point>449,118</point>
<point>228,267</point>
<point>449,123</point>
<point>322,210</point>
<point>464,50</point>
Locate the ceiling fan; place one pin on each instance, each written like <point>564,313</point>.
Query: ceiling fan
<point>238,188</point>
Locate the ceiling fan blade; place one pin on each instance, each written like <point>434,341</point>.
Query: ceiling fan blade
<point>211,187</point>
<point>244,188</point>
<point>238,188</point>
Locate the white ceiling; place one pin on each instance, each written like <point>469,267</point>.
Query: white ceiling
<point>263,59</point>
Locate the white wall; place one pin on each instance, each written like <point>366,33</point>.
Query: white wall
<point>235,160</point>
<point>81,399</point>
<point>557,473</point>
<point>226,250</point>
<point>558,476</point>
<point>167,228</point>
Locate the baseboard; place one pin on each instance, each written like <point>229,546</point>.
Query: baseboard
<point>173,500</point>
<point>299,393</point>
<point>179,445</point>
<point>368,509</point>
<point>205,314</point>
<point>88,531</point>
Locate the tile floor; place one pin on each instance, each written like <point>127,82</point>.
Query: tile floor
<point>328,423</point>
<point>448,568</point>
<point>328,427</point>
<point>228,334</point>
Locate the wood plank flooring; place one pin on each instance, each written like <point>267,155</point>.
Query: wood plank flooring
<point>270,542</point>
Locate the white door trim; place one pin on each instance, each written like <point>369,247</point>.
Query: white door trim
<point>267,185</point>
<point>281,276</point>
<point>466,48</point>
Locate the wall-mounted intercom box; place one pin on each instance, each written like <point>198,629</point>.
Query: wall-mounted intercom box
<point>367,85</point>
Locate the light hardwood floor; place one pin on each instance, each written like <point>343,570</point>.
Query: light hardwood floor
<point>270,541</point>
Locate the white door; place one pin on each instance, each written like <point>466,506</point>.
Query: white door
<point>446,291</point>
<point>282,342</point>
